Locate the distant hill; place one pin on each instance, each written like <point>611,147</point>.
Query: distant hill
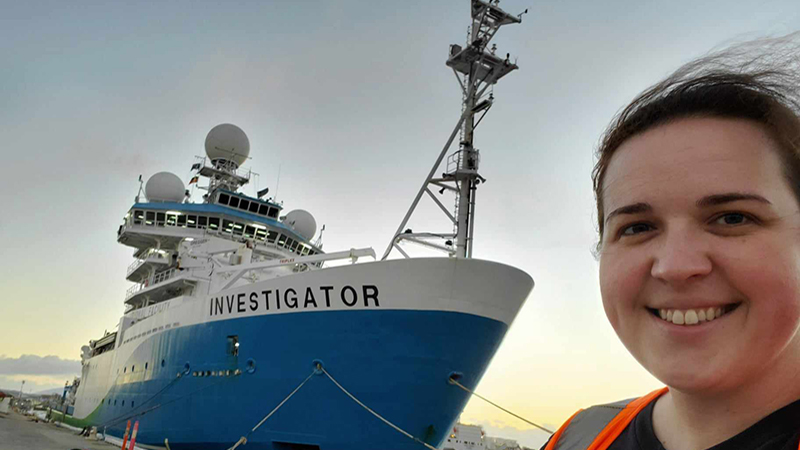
<point>15,392</point>
<point>58,391</point>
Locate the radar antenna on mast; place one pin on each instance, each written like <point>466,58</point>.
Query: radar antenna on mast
<point>476,70</point>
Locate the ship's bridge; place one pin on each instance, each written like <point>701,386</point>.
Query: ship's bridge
<point>164,225</point>
<point>156,230</point>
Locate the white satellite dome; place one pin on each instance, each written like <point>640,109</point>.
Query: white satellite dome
<point>302,222</point>
<point>228,142</point>
<point>164,187</point>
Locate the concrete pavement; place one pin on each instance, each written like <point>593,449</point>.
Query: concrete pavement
<point>20,433</point>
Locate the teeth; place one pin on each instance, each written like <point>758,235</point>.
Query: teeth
<point>691,316</point>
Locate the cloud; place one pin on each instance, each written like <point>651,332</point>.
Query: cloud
<point>39,365</point>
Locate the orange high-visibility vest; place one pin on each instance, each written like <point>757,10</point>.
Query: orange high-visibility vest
<point>599,426</point>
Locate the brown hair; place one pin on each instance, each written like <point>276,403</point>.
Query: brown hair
<point>755,81</point>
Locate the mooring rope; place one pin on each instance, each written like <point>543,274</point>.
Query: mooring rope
<point>407,434</point>
<point>243,440</point>
<point>452,381</point>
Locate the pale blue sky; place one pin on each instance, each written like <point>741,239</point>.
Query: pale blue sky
<point>353,101</point>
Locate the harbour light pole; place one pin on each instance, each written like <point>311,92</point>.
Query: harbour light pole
<point>20,391</point>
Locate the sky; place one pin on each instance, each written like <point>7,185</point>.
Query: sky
<point>350,102</point>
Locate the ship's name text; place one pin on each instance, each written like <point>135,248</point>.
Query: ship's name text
<point>290,298</point>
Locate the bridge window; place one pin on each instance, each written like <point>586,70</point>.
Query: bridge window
<point>263,209</point>
<point>271,236</point>
<point>138,217</point>
<point>250,232</point>
<point>238,229</point>
<point>213,223</point>
<point>253,207</point>
<point>261,234</point>
<point>191,221</point>
<point>244,204</point>
<point>281,240</point>
<point>160,219</point>
<point>182,220</point>
<point>171,218</point>
<point>223,199</point>
<point>273,212</point>
<point>227,226</point>
<point>234,203</point>
<point>202,221</point>
<point>150,218</point>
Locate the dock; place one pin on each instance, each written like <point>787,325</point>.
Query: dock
<point>18,432</point>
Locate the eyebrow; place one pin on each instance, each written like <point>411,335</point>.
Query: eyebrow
<point>635,208</point>
<point>710,200</point>
<point>721,199</point>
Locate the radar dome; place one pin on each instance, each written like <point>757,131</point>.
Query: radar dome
<point>227,142</point>
<point>302,222</point>
<point>164,187</point>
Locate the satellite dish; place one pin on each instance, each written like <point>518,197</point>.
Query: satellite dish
<point>302,222</point>
<point>227,143</point>
<point>164,187</point>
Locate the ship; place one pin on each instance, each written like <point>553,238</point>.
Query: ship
<point>240,331</point>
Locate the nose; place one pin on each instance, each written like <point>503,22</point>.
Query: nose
<point>682,256</point>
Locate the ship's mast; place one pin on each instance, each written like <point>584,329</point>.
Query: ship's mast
<point>476,70</point>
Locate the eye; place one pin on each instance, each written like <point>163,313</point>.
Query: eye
<point>732,219</point>
<point>635,229</point>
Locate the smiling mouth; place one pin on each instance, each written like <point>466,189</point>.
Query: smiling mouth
<point>689,317</point>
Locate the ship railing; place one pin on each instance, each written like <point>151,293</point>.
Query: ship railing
<point>150,255</point>
<point>133,290</point>
<point>155,279</point>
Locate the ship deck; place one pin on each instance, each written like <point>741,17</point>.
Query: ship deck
<point>18,432</point>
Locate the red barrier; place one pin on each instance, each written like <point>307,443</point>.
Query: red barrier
<point>125,438</point>
<point>133,437</point>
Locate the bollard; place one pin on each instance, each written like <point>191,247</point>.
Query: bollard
<point>133,436</point>
<point>125,438</point>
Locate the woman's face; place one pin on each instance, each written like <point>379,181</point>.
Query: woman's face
<point>700,258</point>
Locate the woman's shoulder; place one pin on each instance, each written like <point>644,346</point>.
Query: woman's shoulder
<point>609,419</point>
<point>580,430</point>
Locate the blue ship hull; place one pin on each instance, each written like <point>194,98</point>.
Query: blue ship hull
<point>395,361</point>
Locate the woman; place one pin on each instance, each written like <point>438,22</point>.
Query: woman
<point>698,199</point>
